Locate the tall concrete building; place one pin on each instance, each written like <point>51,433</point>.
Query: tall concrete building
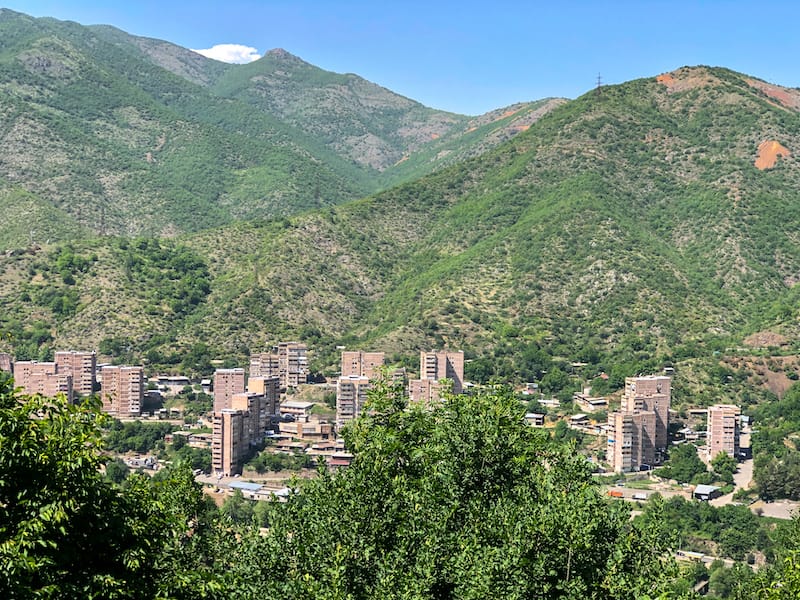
<point>236,430</point>
<point>351,395</point>
<point>651,393</point>
<point>630,442</point>
<point>227,382</point>
<point>229,444</point>
<point>264,364</point>
<point>269,388</point>
<point>42,378</point>
<point>433,367</point>
<point>288,361</point>
<point>292,363</point>
<point>723,430</point>
<point>6,362</point>
<point>82,366</point>
<point>637,433</point>
<point>362,364</point>
<point>443,365</point>
<point>122,390</point>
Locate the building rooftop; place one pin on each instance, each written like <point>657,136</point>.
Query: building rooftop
<point>245,485</point>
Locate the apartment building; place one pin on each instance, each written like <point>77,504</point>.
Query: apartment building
<point>652,393</point>
<point>439,365</point>
<point>264,364</point>
<point>42,378</point>
<point>723,430</point>
<point>6,362</point>
<point>637,433</point>
<point>351,396</point>
<point>82,366</point>
<point>236,429</point>
<point>227,382</point>
<point>630,440</point>
<point>433,367</point>
<point>122,390</point>
<point>292,363</point>
<point>288,361</point>
<point>362,364</point>
<point>269,388</point>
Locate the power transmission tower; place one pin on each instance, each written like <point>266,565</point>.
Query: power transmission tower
<point>599,89</point>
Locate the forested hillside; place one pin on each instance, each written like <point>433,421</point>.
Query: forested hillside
<point>105,133</point>
<point>624,229</point>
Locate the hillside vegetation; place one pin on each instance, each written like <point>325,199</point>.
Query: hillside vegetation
<point>626,230</point>
<point>122,135</point>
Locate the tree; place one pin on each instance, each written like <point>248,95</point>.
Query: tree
<point>684,465</point>
<point>67,532</point>
<point>724,466</point>
<point>117,471</point>
<point>459,499</point>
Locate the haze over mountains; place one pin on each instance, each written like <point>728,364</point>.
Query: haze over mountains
<point>636,221</point>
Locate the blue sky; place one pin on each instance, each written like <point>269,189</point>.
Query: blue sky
<point>471,57</point>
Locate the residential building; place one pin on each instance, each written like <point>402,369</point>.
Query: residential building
<point>237,429</point>
<point>82,367</point>
<point>437,365</point>
<point>269,388</point>
<point>723,430</point>
<point>227,382</point>
<point>6,362</point>
<point>637,433</point>
<point>424,390</point>
<point>351,395</point>
<point>229,444</point>
<point>362,364</point>
<point>630,440</point>
<point>650,394</point>
<point>122,390</point>
<point>292,363</point>
<point>42,378</point>
<point>288,361</point>
<point>264,364</point>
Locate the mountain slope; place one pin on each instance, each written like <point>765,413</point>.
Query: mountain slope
<point>123,146</point>
<point>120,134</point>
<point>631,225</point>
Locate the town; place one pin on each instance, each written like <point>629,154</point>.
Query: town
<point>257,409</point>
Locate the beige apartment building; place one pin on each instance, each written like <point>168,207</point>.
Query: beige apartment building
<point>288,361</point>
<point>723,430</point>
<point>637,433</point>
<point>269,388</point>
<point>362,364</point>
<point>42,378</point>
<point>122,390</point>
<point>82,366</point>
<point>229,444</point>
<point>227,382</point>
<point>652,393</point>
<point>433,367</point>
<point>6,362</point>
<point>351,396</point>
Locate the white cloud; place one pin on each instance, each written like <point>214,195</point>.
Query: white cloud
<point>231,53</point>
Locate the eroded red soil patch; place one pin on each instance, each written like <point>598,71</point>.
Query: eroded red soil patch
<point>667,79</point>
<point>788,98</point>
<point>768,153</point>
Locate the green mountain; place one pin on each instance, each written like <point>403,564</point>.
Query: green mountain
<point>117,134</point>
<point>625,229</point>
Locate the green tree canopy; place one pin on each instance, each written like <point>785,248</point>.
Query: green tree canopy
<point>456,500</point>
